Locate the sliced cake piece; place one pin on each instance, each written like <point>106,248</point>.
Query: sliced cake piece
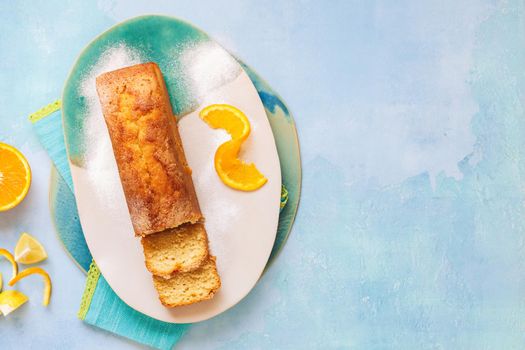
<point>181,249</point>
<point>186,288</point>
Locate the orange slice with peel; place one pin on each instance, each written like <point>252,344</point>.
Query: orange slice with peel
<point>15,177</point>
<point>10,300</point>
<point>5,253</point>
<point>229,118</point>
<point>232,171</point>
<point>39,271</point>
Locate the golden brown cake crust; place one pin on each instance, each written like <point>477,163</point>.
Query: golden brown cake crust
<point>148,150</point>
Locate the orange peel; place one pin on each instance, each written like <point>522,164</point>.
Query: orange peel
<point>6,254</point>
<point>38,271</point>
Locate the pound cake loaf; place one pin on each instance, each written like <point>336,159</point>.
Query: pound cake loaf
<point>153,170</point>
<point>186,288</point>
<point>181,249</point>
<point>157,184</point>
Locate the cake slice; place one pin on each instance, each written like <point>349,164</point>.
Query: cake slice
<point>181,249</point>
<point>148,149</point>
<point>186,288</point>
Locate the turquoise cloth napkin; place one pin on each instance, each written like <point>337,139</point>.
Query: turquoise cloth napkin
<point>100,306</point>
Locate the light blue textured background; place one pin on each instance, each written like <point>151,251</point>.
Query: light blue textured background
<point>410,233</point>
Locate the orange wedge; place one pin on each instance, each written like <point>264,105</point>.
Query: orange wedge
<point>15,177</point>
<point>5,253</point>
<point>233,172</point>
<point>39,271</point>
<point>228,118</point>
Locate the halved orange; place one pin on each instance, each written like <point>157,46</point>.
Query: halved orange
<point>15,177</point>
<point>39,271</point>
<point>229,118</point>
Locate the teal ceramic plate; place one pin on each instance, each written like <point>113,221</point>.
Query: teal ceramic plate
<point>198,72</point>
<point>64,209</point>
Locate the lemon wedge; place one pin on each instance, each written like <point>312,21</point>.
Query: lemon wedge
<point>28,250</point>
<point>39,271</point>
<point>10,300</point>
<point>5,253</point>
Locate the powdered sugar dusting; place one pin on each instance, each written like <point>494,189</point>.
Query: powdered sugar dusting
<point>99,158</point>
<point>113,58</point>
<point>219,225</point>
<point>205,67</point>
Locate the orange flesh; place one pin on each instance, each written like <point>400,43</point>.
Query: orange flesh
<point>233,172</point>
<point>15,177</point>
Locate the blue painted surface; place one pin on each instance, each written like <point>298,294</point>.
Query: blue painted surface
<point>410,233</point>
